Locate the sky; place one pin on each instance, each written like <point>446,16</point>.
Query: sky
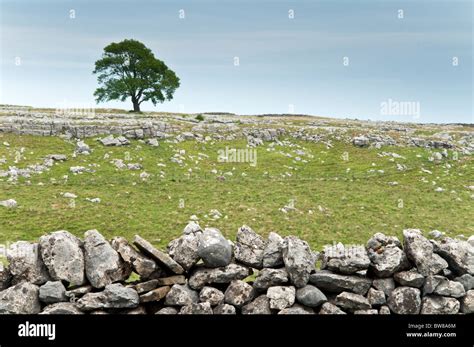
<point>405,60</point>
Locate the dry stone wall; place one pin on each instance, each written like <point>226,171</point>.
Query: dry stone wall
<point>204,273</point>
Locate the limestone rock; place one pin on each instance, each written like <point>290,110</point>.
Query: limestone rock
<point>310,296</point>
<point>25,263</point>
<point>298,260</point>
<point>22,298</point>
<point>238,293</point>
<point>113,296</point>
<point>439,305</point>
<point>281,297</point>
<point>328,308</point>
<point>249,247</point>
<point>211,295</point>
<point>376,297</point>
<point>142,265</point>
<point>467,302</point>
<point>272,253</point>
<point>184,250</point>
<point>61,308</point>
<point>197,308</point>
<point>202,276</point>
<point>458,253</point>
<point>386,255</point>
<point>214,249</point>
<point>260,305</point>
<point>410,278</point>
<point>297,309</point>
<point>224,309</point>
<point>335,283</point>
<point>267,278</point>
<point>161,257</point>
<point>405,300</point>
<point>352,302</point>
<point>52,292</point>
<point>345,260</point>
<point>181,295</point>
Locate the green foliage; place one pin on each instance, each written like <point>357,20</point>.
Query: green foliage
<point>129,69</point>
<point>200,117</point>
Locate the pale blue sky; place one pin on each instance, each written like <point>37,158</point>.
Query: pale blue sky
<point>283,61</point>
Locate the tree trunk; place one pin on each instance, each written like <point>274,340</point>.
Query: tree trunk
<point>136,106</point>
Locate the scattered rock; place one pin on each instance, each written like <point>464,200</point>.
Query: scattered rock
<point>10,203</point>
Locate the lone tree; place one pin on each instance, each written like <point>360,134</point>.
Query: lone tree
<point>129,69</point>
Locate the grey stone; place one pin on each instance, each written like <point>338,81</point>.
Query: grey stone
<point>63,255</point>
<point>466,280</point>
<point>214,249</point>
<point>159,256</point>
<point>345,260</point>
<point>297,309</point>
<point>310,296</point>
<point>192,228</point>
<point>10,203</point>
<point>155,294</point>
<point>199,308</point>
<point>5,277</point>
<point>184,250</point>
<point>384,310</point>
<point>281,297</point>
<point>442,286</point>
<point>405,300</point>
<point>52,292</point>
<point>386,285</point>
<point>368,311</point>
<point>272,253</point>
<point>171,280</point>
<point>360,141</point>
<point>467,302</point>
<point>439,305</point>
<point>336,283</point>
<point>458,253</point>
<point>420,251</point>
<point>142,265</point>
<point>411,278</point>
<point>238,293</point>
<point>61,308</point>
<point>249,247</point>
<point>25,263</point>
<point>328,308</point>
<point>211,295</point>
<point>168,310</point>
<point>260,305</point>
<point>352,302</point>
<point>113,296</point>
<point>267,278</point>
<point>376,297</point>
<point>224,309</point>
<point>147,286</point>
<point>202,276</point>
<point>77,292</point>
<point>298,260</point>
<point>181,295</point>
<point>102,263</point>
<point>386,255</point>
<point>22,298</point>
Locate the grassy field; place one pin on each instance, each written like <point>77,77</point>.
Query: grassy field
<point>334,199</point>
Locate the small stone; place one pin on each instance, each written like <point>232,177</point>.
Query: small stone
<point>202,276</point>
<point>310,296</point>
<point>384,310</point>
<point>197,308</point>
<point>439,305</point>
<point>224,309</point>
<point>376,297</point>
<point>155,294</point>
<point>191,228</point>
<point>113,296</point>
<point>184,250</point>
<point>386,285</point>
<point>211,295</point>
<point>328,308</point>
<point>270,277</point>
<point>335,283</point>
<point>158,255</point>
<point>281,297</point>
<point>410,278</point>
<point>61,308</point>
<point>167,310</point>
<point>352,302</point>
<point>10,203</point>
<point>442,286</point>
<point>169,281</point>
<point>77,292</point>
<point>459,254</point>
<point>25,263</point>
<point>467,302</point>
<point>214,249</point>
<point>5,277</point>
<point>181,295</point>
<point>52,292</point>
<point>345,260</point>
<point>297,309</point>
<point>466,280</point>
<point>369,311</point>
<point>144,287</point>
<point>260,305</point>
<point>238,293</point>
<point>405,300</point>
<point>386,255</point>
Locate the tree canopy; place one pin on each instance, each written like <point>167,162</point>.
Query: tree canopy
<point>130,69</point>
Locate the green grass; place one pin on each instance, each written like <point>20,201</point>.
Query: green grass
<point>355,203</point>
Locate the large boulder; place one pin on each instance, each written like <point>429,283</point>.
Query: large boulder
<point>161,257</point>
<point>344,259</point>
<point>272,253</point>
<point>249,247</point>
<point>386,255</point>
<point>439,305</point>
<point>336,283</point>
<point>281,297</point>
<point>238,293</point>
<point>181,295</point>
<point>22,298</point>
<point>25,263</point>
<point>214,249</point>
<point>103,264</point>
<point>113,296</point>
<point>405,300</point>
<point>202,276</point>
<point>310,296</point>
<point>142,265</point>
<point>420,251</point>
<point>184,250</point>
<point>458,253</point>
<point>63,256</point>
<point>298,260</point>
<point>267,278</point>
